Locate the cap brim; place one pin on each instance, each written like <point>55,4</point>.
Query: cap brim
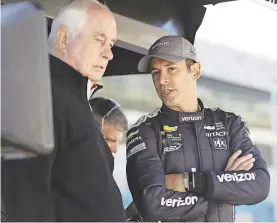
<point>145,62</point>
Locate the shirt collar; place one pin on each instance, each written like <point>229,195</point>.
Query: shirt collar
<point>89,89</point>
<point>183,117</point>
<point>92,88</point>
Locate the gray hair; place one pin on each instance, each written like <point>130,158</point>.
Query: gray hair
<point>109,110</point>
<point>72,17</point>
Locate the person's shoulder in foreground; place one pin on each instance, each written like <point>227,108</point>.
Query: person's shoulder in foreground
<point>80,43</point>
<point>187,162</point>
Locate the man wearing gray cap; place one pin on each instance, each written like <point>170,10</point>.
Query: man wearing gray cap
<point>186,162</point>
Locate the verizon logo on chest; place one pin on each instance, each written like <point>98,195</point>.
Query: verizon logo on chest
<point>236,177</point>
<point>190,118</point>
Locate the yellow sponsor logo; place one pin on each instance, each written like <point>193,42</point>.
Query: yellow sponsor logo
<point>132,134</point>
<point>167,128</point>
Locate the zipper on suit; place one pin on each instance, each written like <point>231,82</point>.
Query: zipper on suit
<point>198,150</point>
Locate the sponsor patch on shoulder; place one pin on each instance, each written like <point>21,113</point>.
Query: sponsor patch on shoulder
<point>136,149</point>
<point>133,140</point>
<point>132,134</point>
<point>145,117</point>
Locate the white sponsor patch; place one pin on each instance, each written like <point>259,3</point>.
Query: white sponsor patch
<point>236,177</point>
<point>191,118</point>
<point>209,127</point>
<point>214,134</point>
<point>219,126</point>
<point>172,148</point>
<point>136,149</point>
<point>179,202</point>
<point>220,143</point>
<point>216,126</point>
<point>133,140</point>
<point>174,138</point>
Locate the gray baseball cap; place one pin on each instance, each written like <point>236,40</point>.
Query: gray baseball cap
<point>170,48</point>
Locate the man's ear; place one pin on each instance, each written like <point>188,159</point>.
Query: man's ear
<point>195,70</point>
<point>62,39</point>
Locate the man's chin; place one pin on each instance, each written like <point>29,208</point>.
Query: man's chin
<point>168,101</point>
<point>95,77</point>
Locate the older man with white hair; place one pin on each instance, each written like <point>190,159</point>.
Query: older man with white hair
<point>74,183</point>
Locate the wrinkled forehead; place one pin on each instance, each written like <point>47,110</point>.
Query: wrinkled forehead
<point>113,130</point>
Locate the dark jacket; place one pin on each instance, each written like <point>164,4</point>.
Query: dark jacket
<point>75,182</point>
<point>171,142</point>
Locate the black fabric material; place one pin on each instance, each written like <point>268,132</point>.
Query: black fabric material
<point>74,183</point>
<point>200,183</point>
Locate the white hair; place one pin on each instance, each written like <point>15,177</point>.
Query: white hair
<point>72,17</point>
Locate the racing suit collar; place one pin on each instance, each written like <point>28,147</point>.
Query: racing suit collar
<point>184,117</point>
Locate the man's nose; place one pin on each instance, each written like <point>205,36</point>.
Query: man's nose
<point>108,54</point>
<point>114,148</point>
<point>163,77</point>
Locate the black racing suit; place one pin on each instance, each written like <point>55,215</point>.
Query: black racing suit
<point>171,142</point>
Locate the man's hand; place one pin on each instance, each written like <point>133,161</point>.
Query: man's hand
<point>245,162</point>
<point>175,182</point>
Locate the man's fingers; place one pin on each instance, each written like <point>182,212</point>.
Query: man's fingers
<point>245,164</point>
<point>232,159</point>
<point>249,167</point>
<point>240,161</point>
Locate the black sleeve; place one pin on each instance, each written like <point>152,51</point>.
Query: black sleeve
<point>75,181</point>
<point>238,187</point>
<point>146,181</point>
<point>82,183</point>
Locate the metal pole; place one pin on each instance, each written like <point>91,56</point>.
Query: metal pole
<point>273,102</point>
